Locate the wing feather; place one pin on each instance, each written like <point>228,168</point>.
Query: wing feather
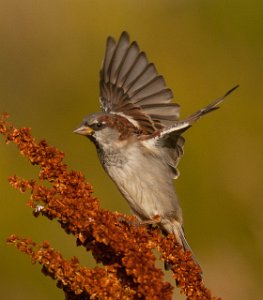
<point>130,85</point>
<point>128,81</point>
<point>118,57</point>
<point>127,63</point>
<point>147,75</point>
<point>169,139</point>
<point>110,47</point>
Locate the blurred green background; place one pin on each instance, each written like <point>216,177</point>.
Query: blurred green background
<point>50,55</point>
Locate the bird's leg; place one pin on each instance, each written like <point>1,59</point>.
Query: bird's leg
<point>130,221</point>
<point>156,220</point>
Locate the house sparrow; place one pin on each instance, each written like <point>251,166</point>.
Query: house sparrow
<point>138,134</point>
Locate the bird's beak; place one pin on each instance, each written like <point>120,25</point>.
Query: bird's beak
<point>84,130</point>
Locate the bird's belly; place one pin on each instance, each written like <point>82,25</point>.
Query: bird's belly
<point>146,188</point>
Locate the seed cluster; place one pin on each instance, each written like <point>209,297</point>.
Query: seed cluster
<point>115,240</point>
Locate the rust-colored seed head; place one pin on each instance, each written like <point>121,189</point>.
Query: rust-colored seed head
<point>129,270</point>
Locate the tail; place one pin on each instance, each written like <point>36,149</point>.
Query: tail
<point>211,107</point>
<point>180,237</point>
<point>178,232</point>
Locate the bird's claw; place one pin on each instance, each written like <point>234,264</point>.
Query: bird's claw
<point>156,220</point>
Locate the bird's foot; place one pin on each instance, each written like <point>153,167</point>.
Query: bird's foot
<point>130,221</point>
<point>156,220</point>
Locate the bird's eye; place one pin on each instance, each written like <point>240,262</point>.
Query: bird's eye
<point>98,125</point>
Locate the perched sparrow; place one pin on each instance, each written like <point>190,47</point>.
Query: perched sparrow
<point>138,134</point>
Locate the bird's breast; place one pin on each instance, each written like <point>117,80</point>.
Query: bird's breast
<point>143,179</point>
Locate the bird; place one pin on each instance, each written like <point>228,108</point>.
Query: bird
<point>138,135</point>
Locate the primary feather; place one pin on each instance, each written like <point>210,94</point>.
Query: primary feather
<point>131,85</point>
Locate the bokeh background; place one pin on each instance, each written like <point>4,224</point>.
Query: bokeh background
<point>50,55</point>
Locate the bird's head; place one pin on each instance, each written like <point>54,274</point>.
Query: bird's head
<point>106,129</point>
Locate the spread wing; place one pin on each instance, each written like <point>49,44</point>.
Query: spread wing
<point>169,139</point>
<point>130,85</point>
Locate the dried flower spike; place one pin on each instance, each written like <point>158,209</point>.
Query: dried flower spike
<point>125,250</point>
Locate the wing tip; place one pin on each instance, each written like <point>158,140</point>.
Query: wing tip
<point>231,90</point>
<point>124,35</point>
<point>110,40</point>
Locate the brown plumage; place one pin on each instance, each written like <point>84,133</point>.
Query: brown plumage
<point>138,134</point>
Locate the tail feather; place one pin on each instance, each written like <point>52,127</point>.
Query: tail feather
<point>178,232</point>
<point>180,237</point>
<point>183,240</point>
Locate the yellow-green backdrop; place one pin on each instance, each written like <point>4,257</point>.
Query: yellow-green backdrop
<point>50,55</point>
